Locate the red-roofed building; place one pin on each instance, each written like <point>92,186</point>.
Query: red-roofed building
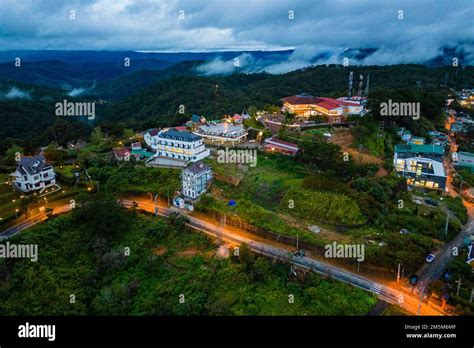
<point>122,153</point>
<point>280,146</point>
<point>335,110</point>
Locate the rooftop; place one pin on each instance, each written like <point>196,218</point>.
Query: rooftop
<point>198,167</point>
<point>32,165</point>
<point>223,129</point>
<point>282,143</point>
<point>465,158</point>
<point>178,135</point>
<point>424,149</point>
<point>324,102</point>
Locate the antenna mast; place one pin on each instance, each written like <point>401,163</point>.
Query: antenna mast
<point>361,82</point>
<point>350,84</point>
<point>367,86</point>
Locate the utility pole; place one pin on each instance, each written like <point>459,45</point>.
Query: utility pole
<point>447,224</point>
<point>398,273</point>
<point>297,241</point>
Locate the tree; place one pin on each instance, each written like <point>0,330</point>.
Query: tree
<point>97,137</point>
<point>101,215</point>
<point>54,154</point>
<point>128,133</point>
<point>11,154</point>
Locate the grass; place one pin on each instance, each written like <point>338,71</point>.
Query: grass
<point>8,194</point>
<point>65,170</point>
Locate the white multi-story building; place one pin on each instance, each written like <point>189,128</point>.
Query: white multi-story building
<point>33,173</point>
<point>196,179</point>
<point>177,145</point>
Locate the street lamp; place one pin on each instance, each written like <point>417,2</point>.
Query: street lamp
<point>16,215</point>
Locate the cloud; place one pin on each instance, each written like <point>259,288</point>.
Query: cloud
<point>75,92</point>
<point>320,31</point>
<point>16,93</point>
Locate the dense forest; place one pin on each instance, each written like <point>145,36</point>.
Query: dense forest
<point>29,118</point>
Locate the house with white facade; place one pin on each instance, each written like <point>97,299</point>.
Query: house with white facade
<point>422,165</point>
<point>196,179</point>
<point>33,173</point>
<point>176,145</point>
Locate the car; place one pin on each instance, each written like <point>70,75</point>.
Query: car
<point>431,202</point>
<point>430,258</point>
<point>417,201</point>
<point>251,140</point>
<point>414,279</point>
<point>299,252</point>
<point>404,231</point>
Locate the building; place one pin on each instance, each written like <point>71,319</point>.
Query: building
<point>463,160</point>
<point>176,145</point>
<point>222,133</point>
<point>33,173</point>
<point>406,136</point>
<point>196,179</point>
<point>335,110</point>
<point>280,146</point>
<point>435,152</point>
<point>439,138</point>
<point>122,153</point>
<point>417,141</point>
<point>422,165</point>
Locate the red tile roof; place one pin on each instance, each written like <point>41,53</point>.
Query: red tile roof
<point>303,98</point>
<point>121,152</point>
<point>153,131</point>
<point>324,102</point>
<point>286,144</point>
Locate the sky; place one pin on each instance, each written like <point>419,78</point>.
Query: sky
<point>403,31</point>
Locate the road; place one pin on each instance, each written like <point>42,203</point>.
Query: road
<point>408,301</point>
<point>434,270</point>
<point>31,221</point>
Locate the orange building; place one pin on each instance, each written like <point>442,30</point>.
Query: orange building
<point>335,110</point>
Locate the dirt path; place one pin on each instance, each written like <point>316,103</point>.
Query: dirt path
<point>344,138</point>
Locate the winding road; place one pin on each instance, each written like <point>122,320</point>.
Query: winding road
<point>405,299</point>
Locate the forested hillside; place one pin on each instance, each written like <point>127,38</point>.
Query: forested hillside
<point>215,96</point>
